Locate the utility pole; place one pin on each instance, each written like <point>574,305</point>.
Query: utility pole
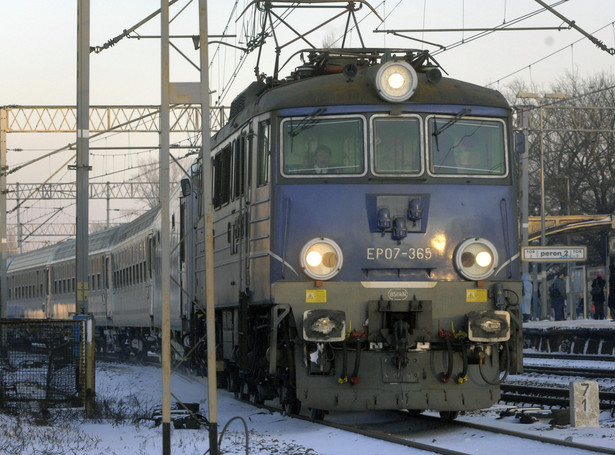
<point>524,162</point>
<point>82,168</point>
<point>544,297</point>
<point>3,243</point>
<point>209,236</point>
<point>165,231</point>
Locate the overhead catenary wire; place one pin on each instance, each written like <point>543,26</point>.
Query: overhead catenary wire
<point>495,29</point>
<point>542,59</point>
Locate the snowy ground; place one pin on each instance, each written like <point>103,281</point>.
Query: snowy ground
<point>127,395</point>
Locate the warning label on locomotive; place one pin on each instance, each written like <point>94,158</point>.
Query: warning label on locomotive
<point>316,296</point>
<point>476,295</point>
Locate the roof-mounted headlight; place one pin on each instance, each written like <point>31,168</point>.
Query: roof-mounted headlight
<point>321,259</point>
<point>476,259</point>
<point>396,81</point>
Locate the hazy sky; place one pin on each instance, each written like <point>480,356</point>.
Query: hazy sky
<point>38,45</point>
<point>38,52</point>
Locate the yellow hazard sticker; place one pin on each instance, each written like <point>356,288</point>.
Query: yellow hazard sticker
<point>476,295</point>
<point>316,296</point>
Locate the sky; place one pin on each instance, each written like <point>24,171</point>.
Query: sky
<point>38,57</point>
<point>38,45</point>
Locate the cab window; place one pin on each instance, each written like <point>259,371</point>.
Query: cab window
<point>323,145</point>
<point>397,145</point>
<point>466,147</point>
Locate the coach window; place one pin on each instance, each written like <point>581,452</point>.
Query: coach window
<point>222,177</point>
<point>239,166</point>
<point>467,147</point>
<point>396,145</point>
<point>262,154</point>
<point>323,145</point>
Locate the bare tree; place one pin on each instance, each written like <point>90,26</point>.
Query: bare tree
<point>578,140</point>
<point>149,173</point>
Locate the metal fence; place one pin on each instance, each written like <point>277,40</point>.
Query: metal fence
<point>42,361</point>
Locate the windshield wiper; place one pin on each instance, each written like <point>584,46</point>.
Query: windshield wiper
<point>307,122</point>
<point>462,113</point>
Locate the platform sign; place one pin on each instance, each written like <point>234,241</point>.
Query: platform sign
<point>554,253</point>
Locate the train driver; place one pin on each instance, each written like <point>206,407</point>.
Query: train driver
<point>322,156</point>
<point>468,157</point>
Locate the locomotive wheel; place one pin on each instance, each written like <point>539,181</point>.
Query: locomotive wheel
<point>288,399</point>
<point>258,397</point>
<point>448,416</point>
<point>414,412</point>
<point>317,414</point>
<point>233,383</point>
<point>243,392</point>
<point>291,406</point>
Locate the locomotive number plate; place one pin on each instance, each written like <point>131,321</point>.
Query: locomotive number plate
<point>390,254</point>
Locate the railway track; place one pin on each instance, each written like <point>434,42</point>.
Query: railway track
<point>585,372</point>
<point>459,437</point>
<point>548,396</point>
<point>429,434</point>
<point>521,389</point>
<point>565,356</point>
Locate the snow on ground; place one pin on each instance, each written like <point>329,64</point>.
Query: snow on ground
<point>128,394</point>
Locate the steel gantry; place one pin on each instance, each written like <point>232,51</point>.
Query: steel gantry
<point>185,118</point>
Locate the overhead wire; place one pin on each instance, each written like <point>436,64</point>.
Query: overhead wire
<point>504,25</point>
<point>542,59</point>
<point>494,29</point>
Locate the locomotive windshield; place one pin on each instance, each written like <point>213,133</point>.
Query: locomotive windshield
<point>397,145</point>
<point>466,147</point>
<point>457,147</point>
<point>323,145</point>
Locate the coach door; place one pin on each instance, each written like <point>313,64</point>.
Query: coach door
<point>150,276</point>
<point>244,176</point>
<point>107,292</point>
<point>47,278</point>
<point>184,282</point>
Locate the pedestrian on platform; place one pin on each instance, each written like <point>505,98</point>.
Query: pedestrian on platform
<point>558,297</point>
<point>526,298</point>
<point>612,291</point>
<point>597,293</point>
<point>536,304</point>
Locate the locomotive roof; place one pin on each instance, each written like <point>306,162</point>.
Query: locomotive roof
<point>320,88</point>
<point>143,223</point>
<point>98,241</point>
<point>31,259</point>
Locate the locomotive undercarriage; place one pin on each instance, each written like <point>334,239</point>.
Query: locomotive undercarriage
<point>144,345</point>
<point>401,358</point>
<point>406,354</point>
<point>252,371</point>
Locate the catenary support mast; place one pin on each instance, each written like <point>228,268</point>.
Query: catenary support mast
<point>165,243</point>
<point>82,168</point>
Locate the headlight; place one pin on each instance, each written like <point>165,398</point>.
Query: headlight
<point>488,326</point>
<point>324,325</point>
<point>321,259</point>
<point>396,81</point>
<point>476,259</point>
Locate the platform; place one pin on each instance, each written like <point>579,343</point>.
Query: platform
<point>580,336</point>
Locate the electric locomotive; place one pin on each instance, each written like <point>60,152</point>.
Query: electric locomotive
<point>366,238</point>
<point>366,244</point>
